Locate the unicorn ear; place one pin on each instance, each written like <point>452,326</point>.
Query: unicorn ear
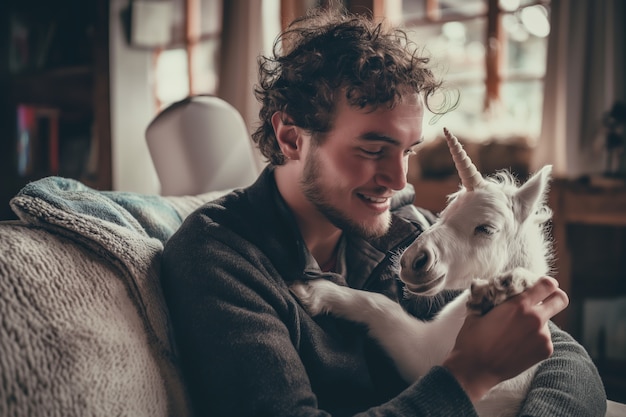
<point>532,193</point>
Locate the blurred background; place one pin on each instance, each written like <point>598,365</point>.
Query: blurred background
<point>538,82</point>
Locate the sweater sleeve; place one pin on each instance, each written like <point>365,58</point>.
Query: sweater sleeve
<point>237,333</point>
<point>567,384</point>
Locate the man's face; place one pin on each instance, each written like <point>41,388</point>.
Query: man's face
<point>351,176</point>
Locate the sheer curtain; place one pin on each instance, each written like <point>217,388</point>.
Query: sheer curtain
<point>584,77</point>
<point>249,31</point>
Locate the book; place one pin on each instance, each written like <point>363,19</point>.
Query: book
<point>37,141</point>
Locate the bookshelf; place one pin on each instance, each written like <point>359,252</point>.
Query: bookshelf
<point>55,117</point>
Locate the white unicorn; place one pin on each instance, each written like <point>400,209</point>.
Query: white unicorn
<point>491,237</point>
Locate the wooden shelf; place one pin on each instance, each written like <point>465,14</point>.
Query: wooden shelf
<point>578,203</point>
<point>432,194</point>
<point>58,63</point>
<point>68,88</point>
<point>589,204</point>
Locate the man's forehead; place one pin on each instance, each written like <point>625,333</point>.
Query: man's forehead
<point>380,137</point>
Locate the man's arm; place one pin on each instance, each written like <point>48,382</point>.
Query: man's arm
<point>486,351</point>
<point>237,353</point>
<point>566,384</point>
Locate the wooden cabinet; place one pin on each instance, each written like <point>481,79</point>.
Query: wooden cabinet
<point>580,204</point>
<point>589,230</point>
<point>431,194</point>
<point>55,115</point>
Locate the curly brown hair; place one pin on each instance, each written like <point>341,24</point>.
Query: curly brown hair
<point>329,51</point>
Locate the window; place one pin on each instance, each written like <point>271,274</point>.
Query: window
<point>189,64</point>
<point>493,52</point>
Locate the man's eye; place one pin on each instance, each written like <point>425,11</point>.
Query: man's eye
<point>372,152</point>
<point>410,152</point>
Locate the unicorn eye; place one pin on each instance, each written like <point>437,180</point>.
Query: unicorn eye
<point>484,229</point>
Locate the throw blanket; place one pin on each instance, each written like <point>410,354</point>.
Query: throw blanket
<point>47,201</point>
<point>125,232</point>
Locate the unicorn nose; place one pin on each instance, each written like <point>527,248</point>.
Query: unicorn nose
<point>420,261</point>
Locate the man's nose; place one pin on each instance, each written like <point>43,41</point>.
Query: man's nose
<point>392,173</point>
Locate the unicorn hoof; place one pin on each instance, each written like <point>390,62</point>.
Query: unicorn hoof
<point>486,294</point>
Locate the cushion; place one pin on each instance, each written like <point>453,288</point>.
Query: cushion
<point>83,325</point>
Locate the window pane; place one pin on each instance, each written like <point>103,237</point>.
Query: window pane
<point>463,7</point>
<point>523,104</point>
<point>416,9</point>
<point>517,115</point>
<point>178,22</point>
<point>512,5</point>
<point>527,2</point>
<point>458,53</point>
<point>526,42</point>
<point>456,47</point>
<point>413,9</point>
<point>171,80</point>
<point>205,66</point>
<point>210,17</point>
<point>467,119</point>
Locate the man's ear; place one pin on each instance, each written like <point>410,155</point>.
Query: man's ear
<point>287,135</point>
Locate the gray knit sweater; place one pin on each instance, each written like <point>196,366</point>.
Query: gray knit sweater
<point>247,347</point>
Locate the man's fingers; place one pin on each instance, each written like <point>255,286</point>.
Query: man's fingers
<point>554,303</point>
<point>547,296</point>
<point>541,289</point>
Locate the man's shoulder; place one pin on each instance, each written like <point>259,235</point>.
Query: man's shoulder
<point>211,220</point>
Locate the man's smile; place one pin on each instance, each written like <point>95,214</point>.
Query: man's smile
<point>374,199</point>
<point>375,202</point>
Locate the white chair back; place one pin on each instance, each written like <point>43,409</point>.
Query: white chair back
<point>201,144</point>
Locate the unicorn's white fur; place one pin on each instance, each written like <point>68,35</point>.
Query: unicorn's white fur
<point>491,237</point>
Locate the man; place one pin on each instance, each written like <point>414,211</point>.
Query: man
<point>342,112</point>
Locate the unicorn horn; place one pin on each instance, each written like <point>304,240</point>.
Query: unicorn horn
<point>470,177</point>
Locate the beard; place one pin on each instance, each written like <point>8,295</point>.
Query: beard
<point>317,193</point>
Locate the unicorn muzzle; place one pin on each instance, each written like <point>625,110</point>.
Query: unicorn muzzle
<point>418,269</point>
<point>420,261</point>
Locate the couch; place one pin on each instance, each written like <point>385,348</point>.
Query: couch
<point>84,330</point>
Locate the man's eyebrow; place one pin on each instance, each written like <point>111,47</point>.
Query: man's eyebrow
<point>377,137</point>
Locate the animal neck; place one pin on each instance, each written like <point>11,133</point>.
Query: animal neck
<point>531,251</point>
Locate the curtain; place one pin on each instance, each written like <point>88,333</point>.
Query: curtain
<point>584,77</point>
<point>249,31</point>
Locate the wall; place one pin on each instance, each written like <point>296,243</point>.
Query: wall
<point>132,108</point>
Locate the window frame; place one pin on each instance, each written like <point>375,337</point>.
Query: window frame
<point>190,39</point>
<point>495,42</point>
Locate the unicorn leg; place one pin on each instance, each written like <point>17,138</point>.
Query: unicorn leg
<point>321,296</point>
<point>415,346</point>
<point>486,294</point>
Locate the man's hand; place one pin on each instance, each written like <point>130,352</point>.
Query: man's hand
<point>506,341</point>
